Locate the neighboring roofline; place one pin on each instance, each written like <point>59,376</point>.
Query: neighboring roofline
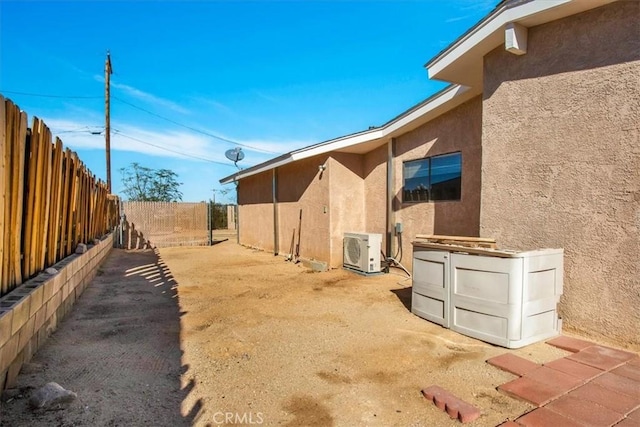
<point>437,100</point>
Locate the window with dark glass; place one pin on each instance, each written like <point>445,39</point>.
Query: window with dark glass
<point>433,178</point>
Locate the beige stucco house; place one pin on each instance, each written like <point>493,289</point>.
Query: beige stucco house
<point>535,143</point>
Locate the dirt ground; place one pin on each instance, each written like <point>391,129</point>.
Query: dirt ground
<point>226,335</point>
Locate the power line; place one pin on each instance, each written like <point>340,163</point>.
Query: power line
<point>182,153</point>
<point>148,112</point>
<point>194,129</point>
<point>41,95</point>
<point>81,129</point>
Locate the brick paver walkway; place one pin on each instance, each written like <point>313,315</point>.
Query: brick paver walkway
<point>594,386</point>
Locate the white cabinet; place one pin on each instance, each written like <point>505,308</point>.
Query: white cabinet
<point>507,298</point>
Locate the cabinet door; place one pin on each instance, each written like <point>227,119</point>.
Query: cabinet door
<point>430,295</point>
<point>486,297</point>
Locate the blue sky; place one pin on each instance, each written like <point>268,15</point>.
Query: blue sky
<point>273,76</point>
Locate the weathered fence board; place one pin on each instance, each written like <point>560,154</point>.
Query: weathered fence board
<point>49,200</point>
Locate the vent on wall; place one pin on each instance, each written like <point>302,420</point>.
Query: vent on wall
<point>361,252</point>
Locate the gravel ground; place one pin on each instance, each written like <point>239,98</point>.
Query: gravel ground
<point>226,335</point>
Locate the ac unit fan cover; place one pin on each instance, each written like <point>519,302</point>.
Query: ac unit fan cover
<point>352,251</point>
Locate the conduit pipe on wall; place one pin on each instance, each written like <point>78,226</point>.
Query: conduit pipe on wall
<point>275,211</point>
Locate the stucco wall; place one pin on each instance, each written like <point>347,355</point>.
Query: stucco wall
<point>347,200</point>
<point>561,161</point>
<point>457,130</point>
<point>301,186</point>
<point>255,211</point>
<point>375,192</point>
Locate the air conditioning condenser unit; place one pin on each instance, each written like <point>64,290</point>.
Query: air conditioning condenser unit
<point>361,252</point>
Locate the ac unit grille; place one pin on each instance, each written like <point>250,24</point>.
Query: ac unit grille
<point>362,252</point>
<point>352,251</point>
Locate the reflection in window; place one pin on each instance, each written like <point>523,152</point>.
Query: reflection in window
<point>433,178</point>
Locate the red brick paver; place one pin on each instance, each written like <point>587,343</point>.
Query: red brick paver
<point>615,401</point>
<point>554,378</point>
<point>543,417</point>
<point>594,386</point>
<point>574,369</point>
<point>602,357</point>
<point>627,422</point>
<point>570,344</point>
<point>584,411</point>
<point>619,384</point>
<point>635,361</point>
<point>514,364</point>
<point>455,407</point>
<point>635,415</point>
<point>531,391</point>
<point>628,370</point>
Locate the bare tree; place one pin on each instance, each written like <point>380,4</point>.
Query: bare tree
<point>150,185</point>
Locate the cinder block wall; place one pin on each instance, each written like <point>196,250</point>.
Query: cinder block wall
<point>32,311</point>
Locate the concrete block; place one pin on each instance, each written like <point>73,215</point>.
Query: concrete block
<point>79,278</point>
<point>57,284</point>
<point>25,334</point>
<point>71,267</point>
<point>6,318</point>
<point>50,326</point>
<point>72,282</point>
<point>8,352</point>
<point>43,334</point>
<point>32,347</point>
<point>52,323</point>
<point>60,312</point>
<point>48,291</point>
<point>68,305</point>
<point>36,300</point>
<point>20,314</point>
<point>40,318</point>
<point>3,380</point>
<point>14,370</point>
<point>65,290</point>
<point>61,272</point>
<point>53,304</point>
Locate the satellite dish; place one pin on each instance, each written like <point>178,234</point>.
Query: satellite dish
<point>235,154</point>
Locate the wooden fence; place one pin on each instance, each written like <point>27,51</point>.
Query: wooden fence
<point>165,224</point>
<point>49,200</point>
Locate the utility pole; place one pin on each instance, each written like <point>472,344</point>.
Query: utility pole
<point>107,111</point>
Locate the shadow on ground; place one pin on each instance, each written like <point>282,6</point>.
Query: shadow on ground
<point>404,295</point>
<point>119,350</point>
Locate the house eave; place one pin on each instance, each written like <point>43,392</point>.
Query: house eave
<point>462,61</point>
<point>365,141</point>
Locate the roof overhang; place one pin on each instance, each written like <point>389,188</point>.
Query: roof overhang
<point>461,64</point>
<point>364,142</point>
<point>462,61</point>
